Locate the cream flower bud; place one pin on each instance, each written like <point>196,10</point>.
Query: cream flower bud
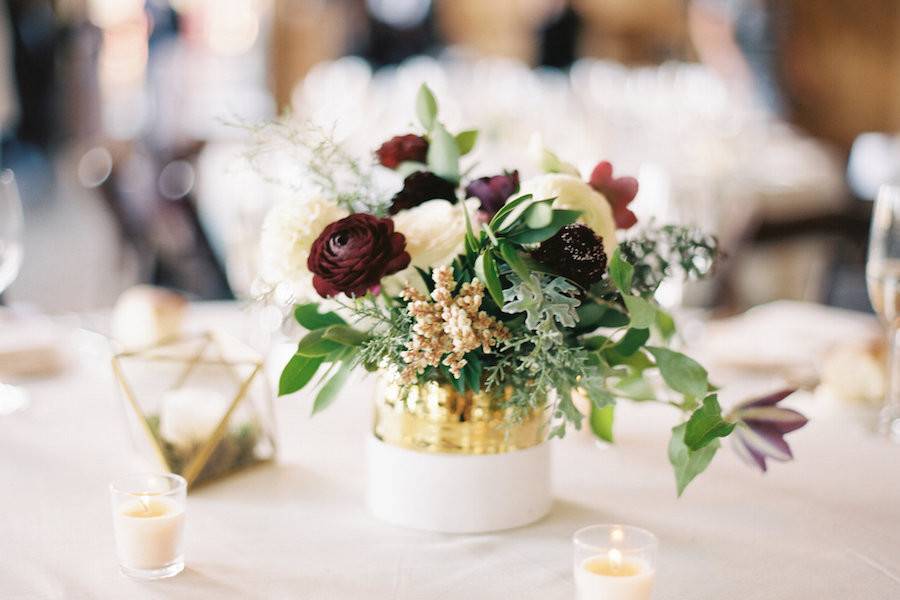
<point>573,193</point>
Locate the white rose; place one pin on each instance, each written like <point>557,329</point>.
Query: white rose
<point>434,231</point>
<point>288,232</point>
<point>574,194</point>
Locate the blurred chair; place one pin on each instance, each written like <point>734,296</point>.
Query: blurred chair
<point>304,33</point>
<point>507,28</point>
<point>645,32</point>
<point>839,65</point>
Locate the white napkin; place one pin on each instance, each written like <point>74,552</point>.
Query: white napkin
<point>31,347</point>
<point>784,337</point>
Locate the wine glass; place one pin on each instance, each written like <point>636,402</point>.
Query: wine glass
<point>11,228</point>
<point>883,284</point>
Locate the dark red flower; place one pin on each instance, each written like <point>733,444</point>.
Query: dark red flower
<point>420,187</point>
<point>401,148</point>
<point>353,254</point>
<point>575,252</point>
<point>493,191</point>
<point>619,192</point>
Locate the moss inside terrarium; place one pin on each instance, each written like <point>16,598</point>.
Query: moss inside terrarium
<point>236,450</point>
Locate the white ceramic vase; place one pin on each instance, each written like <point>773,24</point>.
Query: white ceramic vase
<point>458,493</point>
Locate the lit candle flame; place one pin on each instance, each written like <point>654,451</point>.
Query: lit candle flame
<point>615,559</point>
<point>145,502</point>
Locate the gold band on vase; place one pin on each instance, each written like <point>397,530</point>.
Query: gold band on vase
<point>434,417</point>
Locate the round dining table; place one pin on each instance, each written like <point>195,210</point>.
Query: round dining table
<point>823,527</point>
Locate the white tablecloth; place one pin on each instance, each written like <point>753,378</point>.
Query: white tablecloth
<point>824,527</point>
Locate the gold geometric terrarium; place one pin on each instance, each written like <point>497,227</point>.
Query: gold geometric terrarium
<point>199,406</point>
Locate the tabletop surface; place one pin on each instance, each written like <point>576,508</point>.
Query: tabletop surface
<point>825,527</point>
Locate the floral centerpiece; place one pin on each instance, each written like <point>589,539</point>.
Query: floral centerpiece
<point>511,305</point>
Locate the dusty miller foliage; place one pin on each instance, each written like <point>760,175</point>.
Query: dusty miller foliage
<point>536,362</point>
<point>546,300</point>
<point>315,159</point>
<point>659,253</point>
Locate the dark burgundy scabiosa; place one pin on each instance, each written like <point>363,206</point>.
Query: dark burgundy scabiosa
<point>401,148</point>
<point>420,187</point>
<point>493,191</point>
<point>352,255</point>
<point>619,192</point>
<point>575,252</point>
<point>761,427</point>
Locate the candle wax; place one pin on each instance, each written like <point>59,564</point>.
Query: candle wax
<point>600,578</point>
<point>149,532</point>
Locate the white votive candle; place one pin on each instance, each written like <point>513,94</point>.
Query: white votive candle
<point>614,562</point>
<point>148,519</point>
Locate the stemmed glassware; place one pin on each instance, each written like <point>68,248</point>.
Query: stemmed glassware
<point>883,283</point>
<point>11,233</point>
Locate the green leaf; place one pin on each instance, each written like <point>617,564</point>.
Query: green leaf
<point>688,463</point>
<point>458,383</point>
<point>681,373</point>
<point>471,242</point>
<point>465,141</point>
<point>506,209</point>
<point>638,361</point>
<point>408,167</point>
<point>344,335</point>
<point>614,318</point>
<point>551,163</point>
<point>486,269</point>
<point>443,155</point>
<point>642,312</point>
<point>314,343</point>
<point>297,373</point>
<point>309,317</point>
<point>632,341</point>
<point>426,107</point>
<point>511,257</point>
<point>621,272</point>
<point>665,324</point>
<point>472,372</point>
<point>602,421</point>
<point>706,424</point>
<point>635,388</point>
<point>426,278</point>
<point>558,220</point>
<point>332,388</point>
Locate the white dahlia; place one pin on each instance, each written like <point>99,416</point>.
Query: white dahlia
<point>574,194</point>
<point>288,232</point>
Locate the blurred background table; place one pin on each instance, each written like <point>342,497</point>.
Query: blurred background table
<point>770,123</point>
<point>823,527</point>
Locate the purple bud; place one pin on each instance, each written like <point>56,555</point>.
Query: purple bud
<point>761,427</point>
<point>493,191</point>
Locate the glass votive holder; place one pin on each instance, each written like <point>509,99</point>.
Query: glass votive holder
<point>614,562</point>
<point>148,519</point>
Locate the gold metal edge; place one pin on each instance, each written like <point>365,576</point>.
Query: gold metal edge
<point>433,417</point>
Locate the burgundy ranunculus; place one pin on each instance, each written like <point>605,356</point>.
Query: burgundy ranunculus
<point>401,148</point>
<point>493,191</point>
<point>420,187</point>
<point>353,254</point>
<point>575,252</point>
<point>619,192</point>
